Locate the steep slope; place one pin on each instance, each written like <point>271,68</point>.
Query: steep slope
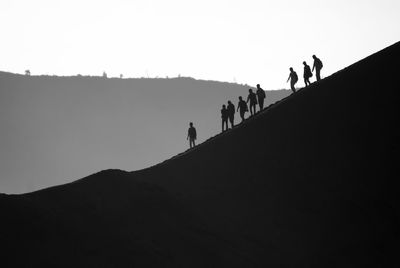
<point>55,129</point>
<point>310,182</point>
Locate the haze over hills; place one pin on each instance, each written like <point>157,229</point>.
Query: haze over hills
<point>55,129</point>
<point>309,182</point>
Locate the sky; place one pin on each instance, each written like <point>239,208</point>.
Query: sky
<point>235,41</point>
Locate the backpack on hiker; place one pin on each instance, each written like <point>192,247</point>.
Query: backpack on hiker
<point>320,64</point>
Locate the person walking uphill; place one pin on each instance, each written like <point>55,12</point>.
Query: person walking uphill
<point>192,135</point>
<point>307,74</point>
<point>317,66</point>
<point>252,98</point>
<point>231,113</point>
<point>242,107</point>
<point>261,96</point>
<point>293,79</point>
<point>224,116</point>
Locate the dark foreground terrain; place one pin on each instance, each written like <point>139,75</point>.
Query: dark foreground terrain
<point>310,182</point>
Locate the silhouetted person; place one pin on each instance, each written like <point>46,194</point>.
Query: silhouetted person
<point>231,113</point>
<point>317,66</point>
<point>192,135</point>
<point>252,98</point>
<point>307,74</point>
<point>242,107</point>
<point>224,116</point>
<point>293,79</point>
<point>260,96</point>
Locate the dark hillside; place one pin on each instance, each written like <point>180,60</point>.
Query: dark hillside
<point>310,182</point>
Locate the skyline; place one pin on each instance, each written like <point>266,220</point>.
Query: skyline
<point>228,41</point>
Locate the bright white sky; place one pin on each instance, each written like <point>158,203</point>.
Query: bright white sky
<point>252,41</point>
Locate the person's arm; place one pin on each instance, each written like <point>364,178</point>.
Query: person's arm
<point>313,67</point>
<point>187,135</point>
<point>238,107</point>
<point>288,78</point>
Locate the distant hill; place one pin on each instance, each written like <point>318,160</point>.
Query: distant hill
<point>55,129</point>
<point>310,182</point>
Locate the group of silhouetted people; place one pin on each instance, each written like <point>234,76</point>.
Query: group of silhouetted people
<point>254,98</point>
<point>228,111</point>
<point>307,73</point>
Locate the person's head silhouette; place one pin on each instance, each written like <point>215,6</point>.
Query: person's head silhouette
<point>305,63</point>
<point>223,106</point>
<point>229,102</point>
<point>240,97</point>
<point>250,90</point>
<point>191,124</point>
<point>291,69</point>
<point>314,56</point>
<point>258,85</point>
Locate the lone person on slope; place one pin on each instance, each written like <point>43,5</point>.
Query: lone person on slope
<point>261,96</point>
<point>231,113</point>
<point>317,66</point>
<point>293,79</point>
<point>242,107</point>
<point>307,74</point>
<point>252,98</point>
<point>192,135</point>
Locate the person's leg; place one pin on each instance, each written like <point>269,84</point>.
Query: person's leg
<point>292,86</point>
<point>318,74</point>
<point>261,104</point>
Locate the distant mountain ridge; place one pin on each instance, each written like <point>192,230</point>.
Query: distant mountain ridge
<point>59,128</point>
